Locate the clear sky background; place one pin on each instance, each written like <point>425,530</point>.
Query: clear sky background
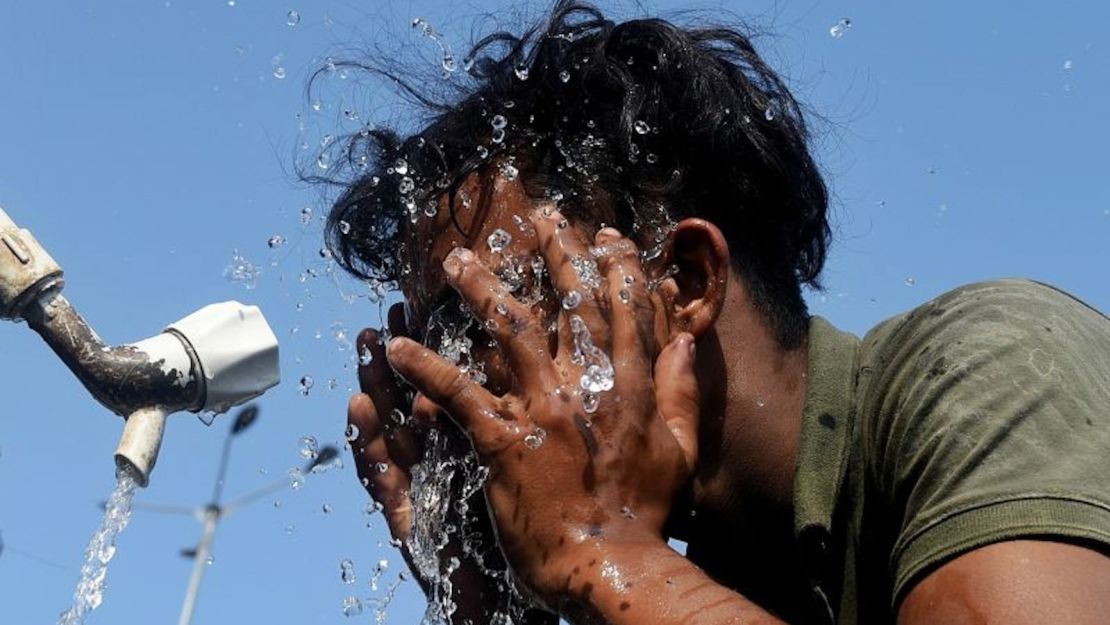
<point>143,142</point>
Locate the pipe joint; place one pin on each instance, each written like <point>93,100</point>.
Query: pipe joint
<point>26,269</point>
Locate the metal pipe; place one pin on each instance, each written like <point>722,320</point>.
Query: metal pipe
<point>124,378</point>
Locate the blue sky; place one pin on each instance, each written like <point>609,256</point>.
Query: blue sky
<point>143,142</point>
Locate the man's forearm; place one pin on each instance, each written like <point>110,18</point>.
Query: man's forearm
<point>638,583</point>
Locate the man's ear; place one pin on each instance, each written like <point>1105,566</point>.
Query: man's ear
<point>694,293</point>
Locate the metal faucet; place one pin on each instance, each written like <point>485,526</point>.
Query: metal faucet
<point>219,357</point>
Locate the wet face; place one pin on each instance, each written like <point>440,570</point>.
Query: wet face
<point>491,219</point>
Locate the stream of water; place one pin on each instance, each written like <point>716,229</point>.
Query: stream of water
<point>90,588</point>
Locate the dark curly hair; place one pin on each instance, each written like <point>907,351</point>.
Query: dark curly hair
<point>632,124</point>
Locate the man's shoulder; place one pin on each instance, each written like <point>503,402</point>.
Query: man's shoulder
<point>981,418</point>
<point>980,335</point>
<point>995,310</point>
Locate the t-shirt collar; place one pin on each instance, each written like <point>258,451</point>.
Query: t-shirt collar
<point>824,442</point>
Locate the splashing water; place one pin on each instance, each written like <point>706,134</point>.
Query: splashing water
<point>242,271</point>
<point>442,484</point>
<point>840,28</point>
<point>449,63</point>
<point>599,369</point>
<point>90,588</point>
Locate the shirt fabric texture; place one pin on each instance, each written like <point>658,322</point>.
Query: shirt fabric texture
<point>978,417</point>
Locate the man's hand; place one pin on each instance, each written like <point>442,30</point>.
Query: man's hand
<point>388,442</point>
<point>567,486</point>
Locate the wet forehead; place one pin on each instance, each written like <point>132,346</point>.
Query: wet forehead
<point>483,206</point>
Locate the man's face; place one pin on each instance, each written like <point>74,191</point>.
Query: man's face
<point>491,218</point>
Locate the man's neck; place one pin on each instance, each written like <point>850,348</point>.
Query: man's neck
<point>758,390</point>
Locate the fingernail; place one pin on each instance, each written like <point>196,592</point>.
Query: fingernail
<point>453,264</point>
<point>607,234</point>
<point>394,347</point>
<point>691,344</point>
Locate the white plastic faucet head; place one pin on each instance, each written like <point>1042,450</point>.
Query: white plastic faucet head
<point>237,351</point>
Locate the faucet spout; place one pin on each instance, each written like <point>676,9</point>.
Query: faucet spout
<point>138,447</point>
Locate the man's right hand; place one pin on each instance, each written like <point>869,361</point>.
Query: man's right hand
<point>385,442</point>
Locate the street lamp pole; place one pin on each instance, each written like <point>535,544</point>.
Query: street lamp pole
<point>200,563</point>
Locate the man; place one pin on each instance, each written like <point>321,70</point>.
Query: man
<point>627,212</point>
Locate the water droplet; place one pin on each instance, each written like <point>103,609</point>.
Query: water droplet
<point>279,72</point>
<point>498,240</point>
<point>398,416</point>
<point>571,300</point>
<point>769,113</point>
<point>641,127</point>
<point>597,378</point>
<point>499,122</point>
<point>483,152</point>
<point>292,18</point>
<point>564,76</point>
<point>210,559</point>
<point>352,606</point>
<point>352,432</point>
<point>323,161</point>
<point>344,227</point>
<point>535,439</point>
<point>306,215</point>
<point>381,467</point>
<point>502,308</point>
<point>838,29</point>
<point>365,356</point>
<point>627,512</point>
<point>242,271</point>
<point>760,402</point>
<point>910,282</point>
<point>296,478</point>
<point>510,172</point>
<point>309,448</point>
<point>326,508</point>
<point>590,402</point>
<point>406,186</point>
<point>652,158</point>
<point>347,571</point>
<point>521,72</point>
<point>401,166</point>
<point>586,269</point>
<point>275,241</point>
<point>306,384</point>
<point>625,296</point>
<point>1068,64</point>
<point>497,136</point>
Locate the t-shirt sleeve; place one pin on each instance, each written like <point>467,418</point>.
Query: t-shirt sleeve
<point>993,424</point>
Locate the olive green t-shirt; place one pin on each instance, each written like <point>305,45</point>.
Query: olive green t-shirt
<point>981,416</point>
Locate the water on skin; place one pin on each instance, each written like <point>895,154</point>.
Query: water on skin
<point>90,587</point>
<point>435,494</point>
